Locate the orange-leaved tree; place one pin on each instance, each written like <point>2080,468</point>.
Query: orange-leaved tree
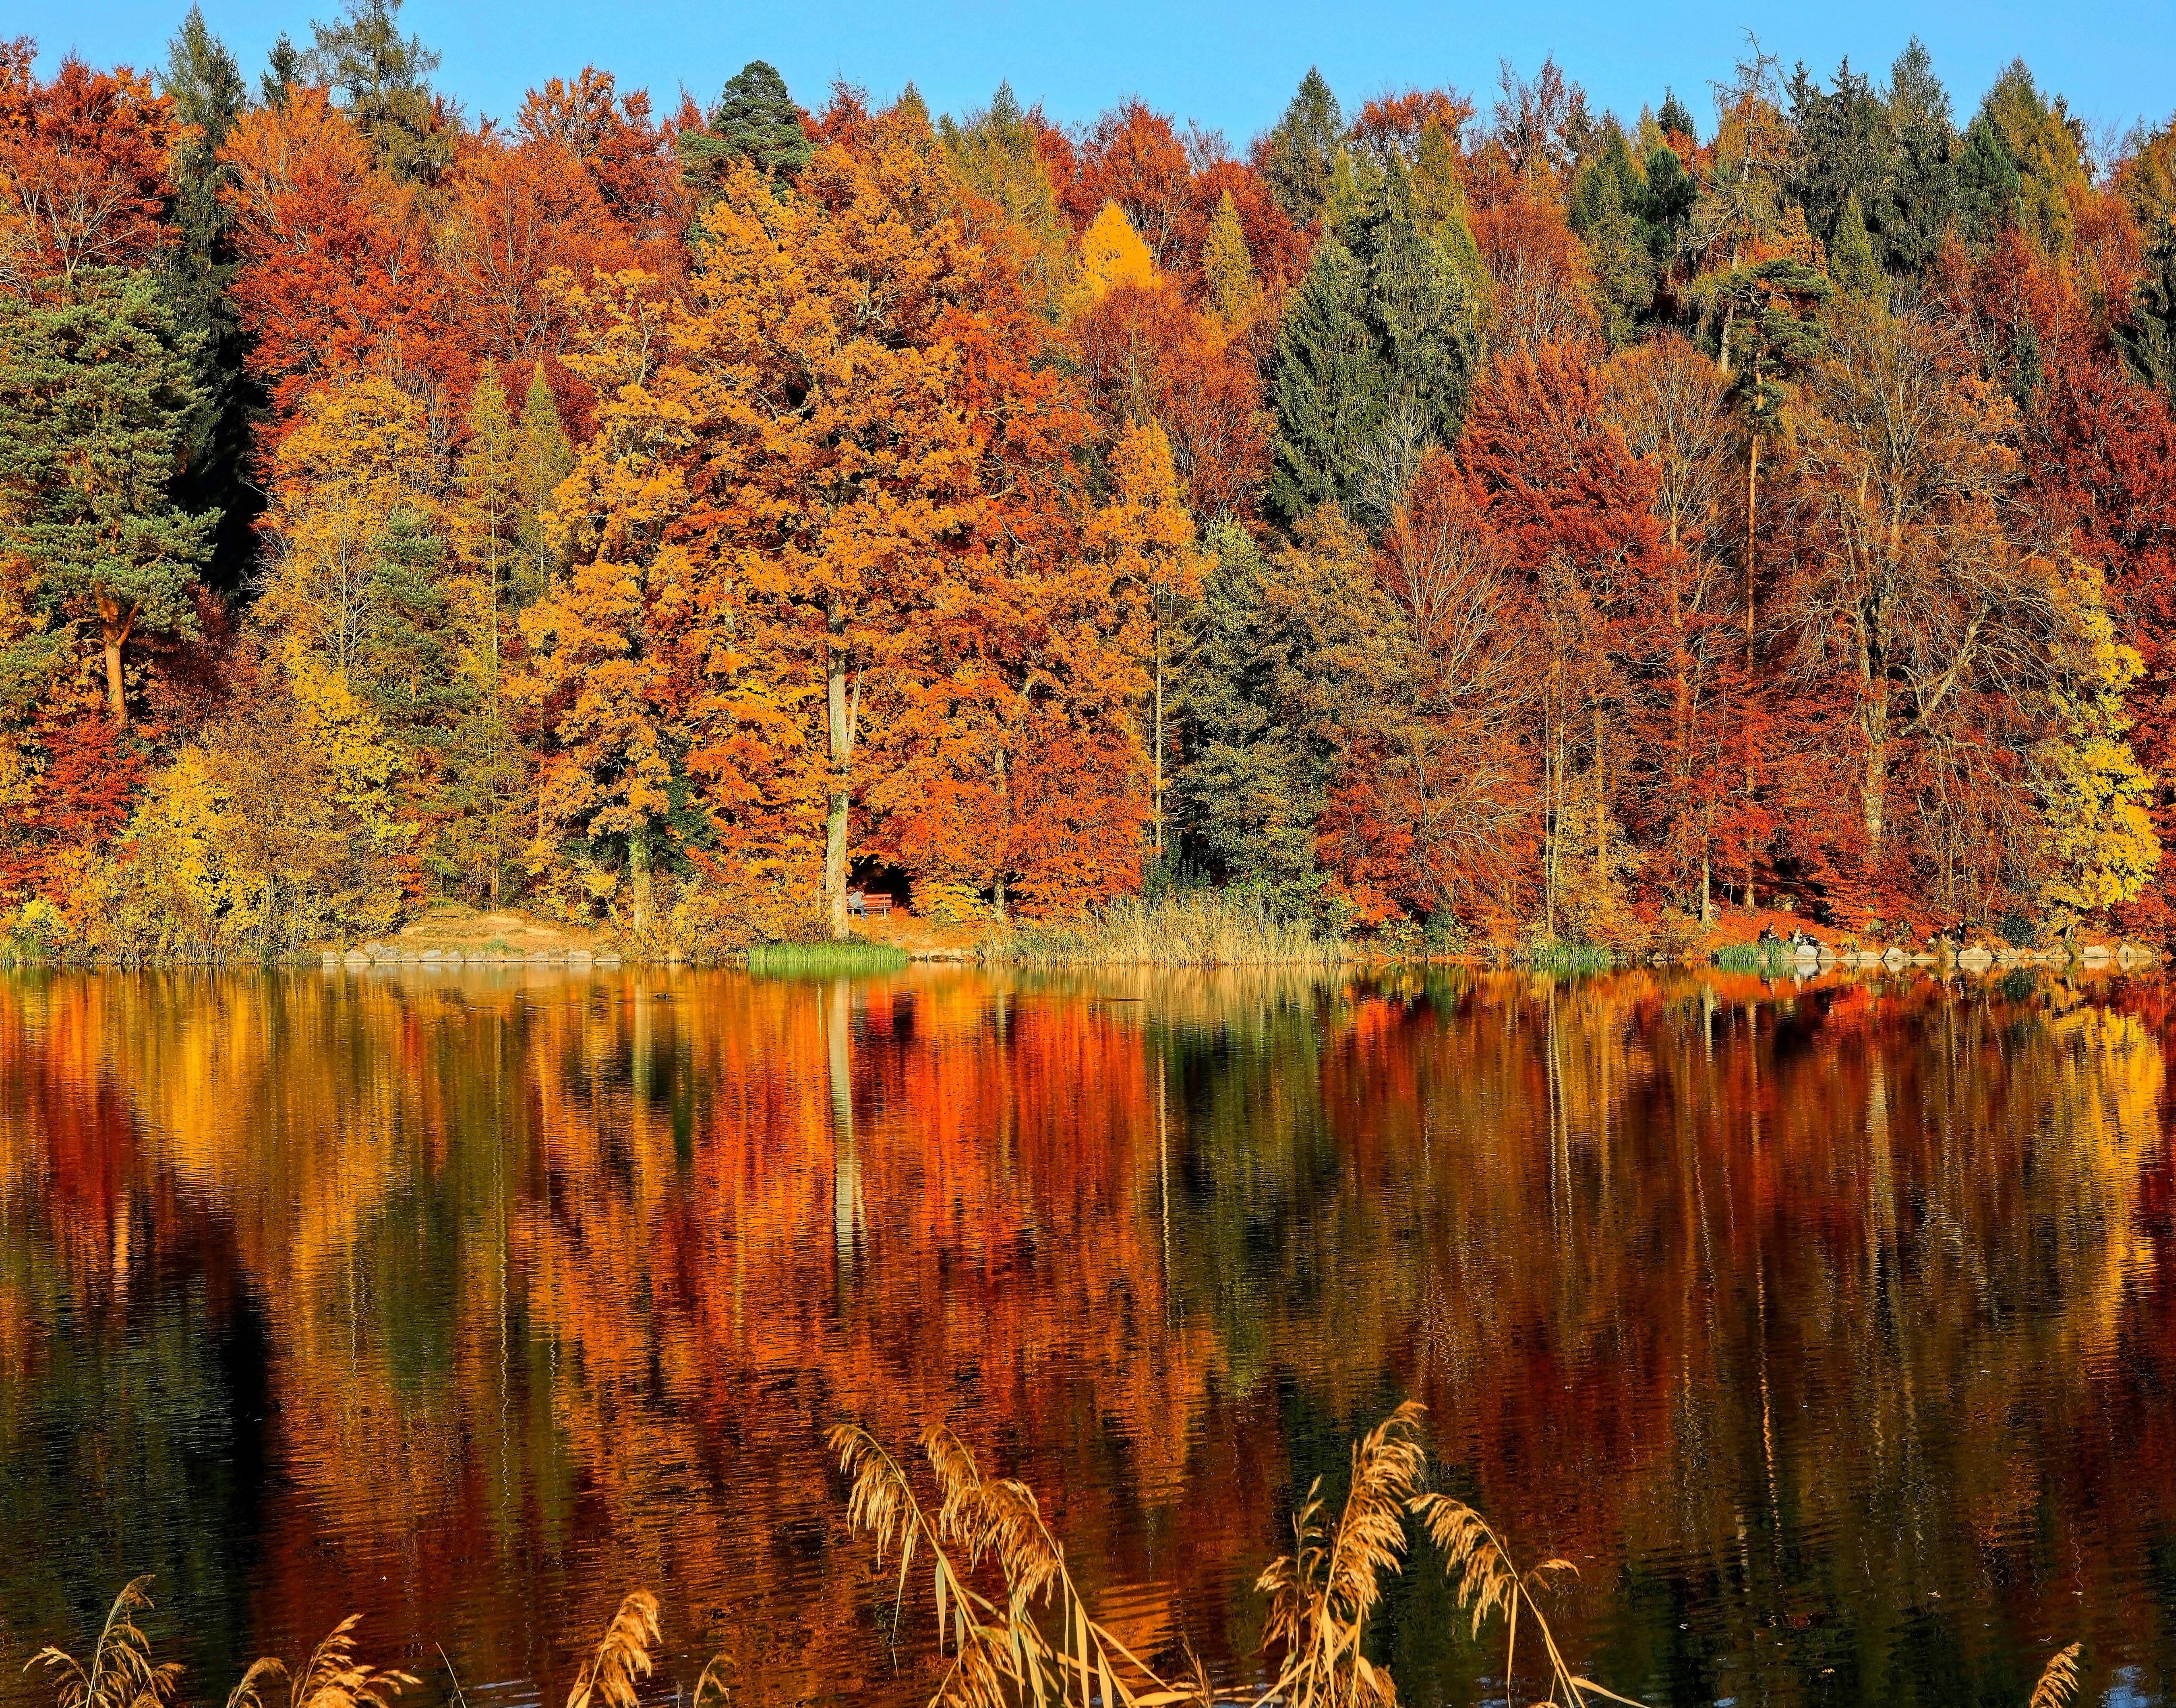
<point>874,432</point>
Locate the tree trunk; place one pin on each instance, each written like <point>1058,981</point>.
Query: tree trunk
<point>1874,786</point>
<point>638,872</point>
<point>841,712</point>
<point>1752,497</point>
<point>114,624</point>
<point>1601,808</point>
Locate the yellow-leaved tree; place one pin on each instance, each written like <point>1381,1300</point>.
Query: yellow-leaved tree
<point>2100,844</point>
<point>1112,254</point>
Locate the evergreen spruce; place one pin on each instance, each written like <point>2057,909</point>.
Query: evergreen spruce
<point>1329,385</point>
<point>208,95</point>
<point>1300,156</point>
<point>2147,340</point>
<point>1989,184</point>
<point>1921,193</point>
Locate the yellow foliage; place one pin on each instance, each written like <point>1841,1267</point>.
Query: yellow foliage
<point>1227,268</point>
<point>2101,844</point>
<point>361,452</point>
<point>1112,254</point>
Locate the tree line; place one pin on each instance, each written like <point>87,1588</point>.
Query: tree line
<point>1470,520</point>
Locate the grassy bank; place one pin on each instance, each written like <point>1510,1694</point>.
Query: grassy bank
<point>824,960</point>
<point>1206,927</point>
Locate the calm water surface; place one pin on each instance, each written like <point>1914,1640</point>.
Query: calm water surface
<point>1827,1327</point>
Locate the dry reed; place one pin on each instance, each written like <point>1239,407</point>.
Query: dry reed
<point>2058,1680</point>
<point>622,1658</point>
<point>1205,928</point>
<point>121,1674</point>
<point>1322,1594</point>
<point>1002,1656</point>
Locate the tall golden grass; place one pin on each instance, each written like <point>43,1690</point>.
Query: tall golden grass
<point>1002,1654</point>
<point>1034,1639</point>
<point>1201,928</point>
<point>120,1673</point>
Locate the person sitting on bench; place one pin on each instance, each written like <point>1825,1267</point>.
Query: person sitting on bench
<point>856,908</point>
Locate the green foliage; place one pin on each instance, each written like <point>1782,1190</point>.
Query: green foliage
<point>1327,385</point>
<point>208,95</point>
<point>1988,185</point>
<point>1376,355</point>
<point>1921,192</point>
<point>386,80</point>
<point>1283,657</point>
<point>2047,146</point>
<point>1845,148</point>
<point>825,959</point>
<point>1674,117</point>
<point>1850,255</point>
<point>1299,157</point>
<point>1605,194</point>
<point>2146,339</point>
<point>96,404</point>
<point>283,66</point>
<point>755,119</point>
<point>1752,957</point>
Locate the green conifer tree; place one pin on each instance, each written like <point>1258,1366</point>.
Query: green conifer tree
<point>755,119</point>
<point>384,80</point>
<point>1300,156</point>
<point>2147,340</point>
<point>1989,184</point>
<point>1921,191</point>
<point>1851,256</point>
<point>208,95</point>
<point>96,406</point>
<point>1329,384</point>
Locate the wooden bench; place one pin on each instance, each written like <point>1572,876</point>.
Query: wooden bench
<point>875,906</point>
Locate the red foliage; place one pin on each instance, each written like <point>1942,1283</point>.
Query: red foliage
<point>627,154</point>
<point>338,265</point>
<point>83,160</point>
<point>1132,157</point>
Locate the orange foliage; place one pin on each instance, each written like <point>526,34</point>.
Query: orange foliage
<point>82,168</point>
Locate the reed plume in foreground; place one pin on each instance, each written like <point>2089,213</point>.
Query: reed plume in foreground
<point>1322,1594</point>
<point>609,1676</point>
<point>2058,1680</point>
<point>120,1674</point>
<point>1002,1656</point>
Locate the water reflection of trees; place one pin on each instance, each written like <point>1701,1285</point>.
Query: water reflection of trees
<point>1814,1322</point>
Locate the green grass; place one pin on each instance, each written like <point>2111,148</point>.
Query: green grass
<point>824,960</point>
<point>1570,957</point>
<point>1752,957</point>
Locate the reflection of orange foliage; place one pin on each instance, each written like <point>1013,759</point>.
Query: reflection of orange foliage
<point>563,1280</point>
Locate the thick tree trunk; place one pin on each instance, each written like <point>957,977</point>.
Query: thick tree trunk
<point>114,624</point>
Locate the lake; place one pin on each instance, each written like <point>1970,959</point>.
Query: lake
<point>1829,1328</point>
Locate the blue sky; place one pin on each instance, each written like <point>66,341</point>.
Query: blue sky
<point>1230,65</point>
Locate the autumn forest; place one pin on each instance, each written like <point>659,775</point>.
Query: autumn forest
<point>1457,518</point>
